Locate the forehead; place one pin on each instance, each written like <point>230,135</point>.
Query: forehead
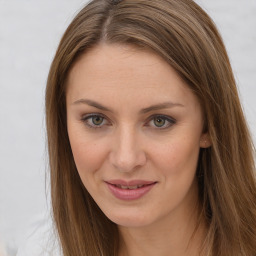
<point>128,73</point>
<point>116,61</point>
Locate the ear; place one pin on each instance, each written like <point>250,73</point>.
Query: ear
<point>205,141</point>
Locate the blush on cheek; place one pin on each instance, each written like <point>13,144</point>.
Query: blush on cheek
<point>88,157</point>
<point>179,158</point>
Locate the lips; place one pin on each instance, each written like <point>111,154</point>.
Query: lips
<point>130,190</point>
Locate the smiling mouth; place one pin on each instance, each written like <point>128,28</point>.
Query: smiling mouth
<point>130,190</point>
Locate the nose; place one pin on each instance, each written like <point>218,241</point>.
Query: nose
<point>127,153</point>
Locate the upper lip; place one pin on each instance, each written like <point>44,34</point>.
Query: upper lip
<point>130,183</point>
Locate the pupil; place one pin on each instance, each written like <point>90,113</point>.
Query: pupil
<point>159,122</point>
<point>97,120</point>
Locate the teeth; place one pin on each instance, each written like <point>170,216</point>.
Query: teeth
<point>129,187</point>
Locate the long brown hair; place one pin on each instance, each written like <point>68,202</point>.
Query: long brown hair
<point>185,37</point>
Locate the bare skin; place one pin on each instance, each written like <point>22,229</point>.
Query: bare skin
<point>132,118</point>
<point>165,240</point>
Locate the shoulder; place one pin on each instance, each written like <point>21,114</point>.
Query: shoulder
<point>41,240</point>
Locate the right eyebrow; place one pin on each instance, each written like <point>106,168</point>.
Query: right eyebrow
<point>93,104</point>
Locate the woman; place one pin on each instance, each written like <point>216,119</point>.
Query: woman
<point>149,150</point>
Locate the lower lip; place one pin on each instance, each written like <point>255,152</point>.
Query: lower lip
<point>129,194</point>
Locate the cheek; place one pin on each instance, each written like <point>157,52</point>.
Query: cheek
<point>88,154</point>
<point>177,166</point>
<point>177,157</point>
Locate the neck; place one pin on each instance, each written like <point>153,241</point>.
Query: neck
<point>177,236</point>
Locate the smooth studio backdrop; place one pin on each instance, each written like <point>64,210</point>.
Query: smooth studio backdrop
<point>29,35</point>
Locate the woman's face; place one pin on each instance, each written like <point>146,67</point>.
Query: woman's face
<point>135,130</point>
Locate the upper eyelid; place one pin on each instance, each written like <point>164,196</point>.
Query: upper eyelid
<point>86,116</point>
<point>162,116</point>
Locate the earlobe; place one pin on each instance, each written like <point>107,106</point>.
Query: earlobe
<point>205,141</point>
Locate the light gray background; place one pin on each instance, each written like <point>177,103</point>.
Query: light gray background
<point>29,34</point>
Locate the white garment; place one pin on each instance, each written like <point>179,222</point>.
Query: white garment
<point>41,241</point>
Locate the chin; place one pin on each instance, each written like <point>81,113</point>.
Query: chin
<point>129,219</point>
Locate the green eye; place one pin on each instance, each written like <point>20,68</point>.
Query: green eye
<point>159,121</point>
<point>97,120</point>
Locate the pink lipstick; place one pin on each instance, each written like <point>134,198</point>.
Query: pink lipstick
<point>130,190</point>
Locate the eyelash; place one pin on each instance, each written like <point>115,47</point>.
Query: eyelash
<point>85,120</point>
<point>90,116</point>
<point>170,121</point>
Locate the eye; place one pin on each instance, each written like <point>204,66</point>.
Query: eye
<point>94,120</point>
<point>162,122</point>
<point>159,121</point>
<point>97,120</point>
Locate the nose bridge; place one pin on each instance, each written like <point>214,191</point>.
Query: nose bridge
<point>127,152</point>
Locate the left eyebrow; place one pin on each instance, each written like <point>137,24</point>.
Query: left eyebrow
<point>160,106</point>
